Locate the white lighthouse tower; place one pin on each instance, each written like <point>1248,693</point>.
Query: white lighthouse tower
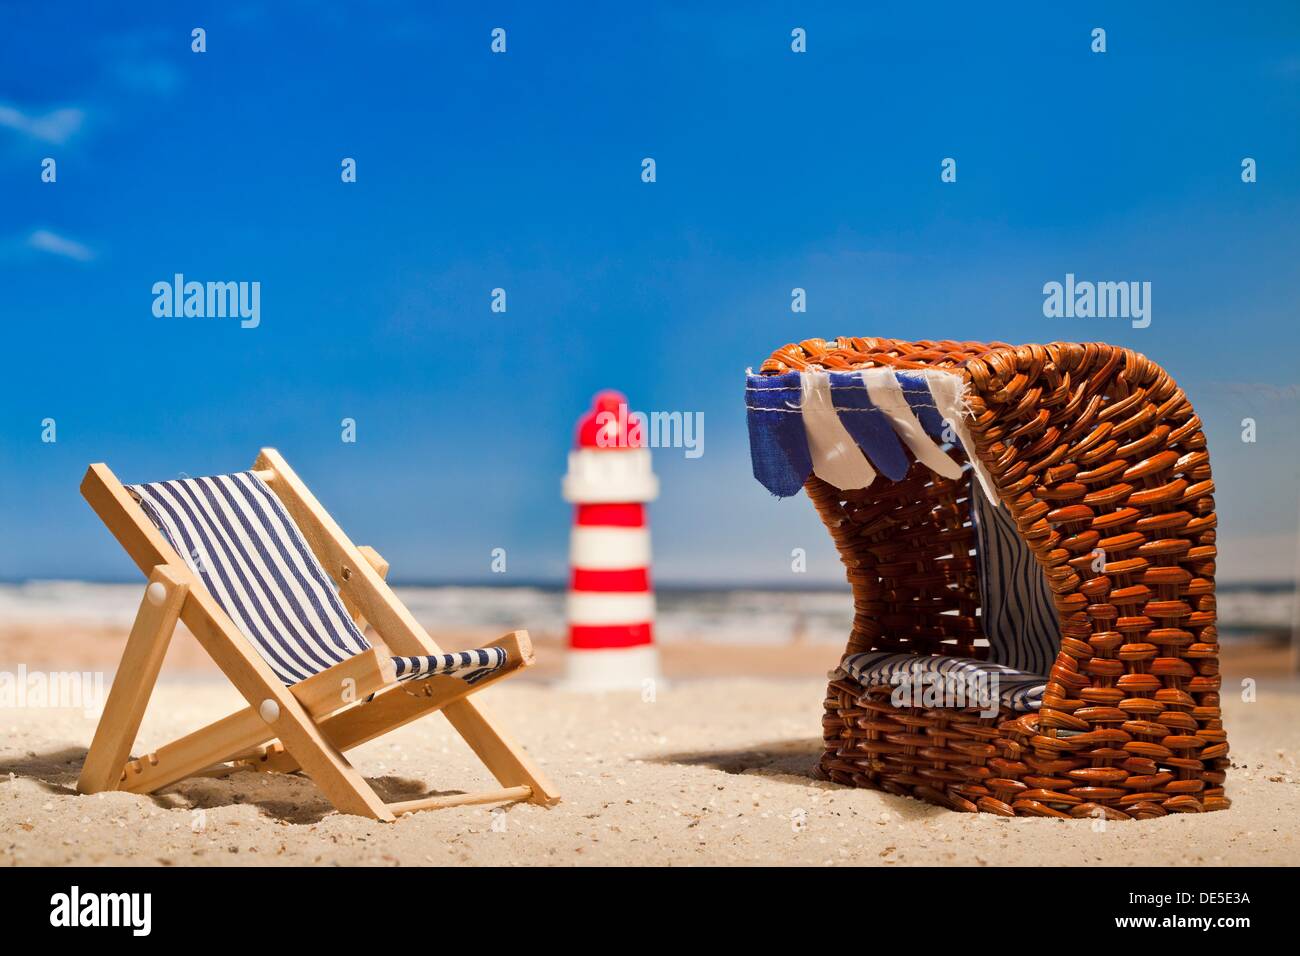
<point>611,605</point>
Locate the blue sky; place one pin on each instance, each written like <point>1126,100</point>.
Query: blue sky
<point>522,171</point>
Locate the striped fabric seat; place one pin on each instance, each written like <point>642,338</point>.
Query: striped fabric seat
<point>1015,689</point>
<point>234,533</point>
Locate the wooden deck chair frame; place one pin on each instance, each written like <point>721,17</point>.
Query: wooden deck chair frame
<point>306,726</point>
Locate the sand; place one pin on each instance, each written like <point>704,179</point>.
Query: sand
<point>714,771</point>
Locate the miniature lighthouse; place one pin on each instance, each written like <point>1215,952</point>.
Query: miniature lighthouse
<point>611,605</point>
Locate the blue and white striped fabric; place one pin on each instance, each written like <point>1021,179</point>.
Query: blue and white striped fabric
<point>846,427</point>
<point>1015,689</point>
<point>469,666</point>
<point>1017,613</point>
<point>233,532</point>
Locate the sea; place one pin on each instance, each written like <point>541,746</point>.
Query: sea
<point>722,615</point>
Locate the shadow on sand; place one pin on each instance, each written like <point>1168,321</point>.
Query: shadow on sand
<point>796,759</point>
<point>792,762</point>
<point>289,798</point>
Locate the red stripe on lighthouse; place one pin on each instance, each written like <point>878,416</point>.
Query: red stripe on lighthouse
<point>631,579</point>
<point>612,515</point>
<point>592,636</point>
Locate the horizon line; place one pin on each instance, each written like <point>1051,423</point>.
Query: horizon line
<point>562,584</point>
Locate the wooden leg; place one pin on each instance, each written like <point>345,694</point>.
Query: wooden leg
<point>134,681</point>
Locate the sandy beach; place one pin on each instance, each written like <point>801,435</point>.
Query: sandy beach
<point>716,770</point>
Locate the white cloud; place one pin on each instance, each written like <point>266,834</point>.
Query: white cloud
<point>57,245</point>
<point>56,126</point>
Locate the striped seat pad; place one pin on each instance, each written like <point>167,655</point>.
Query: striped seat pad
<point>1015,689</point>
<point>236,536</point>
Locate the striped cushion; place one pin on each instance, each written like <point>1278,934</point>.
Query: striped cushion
<point>233,532</point>
<point>1015,689</point>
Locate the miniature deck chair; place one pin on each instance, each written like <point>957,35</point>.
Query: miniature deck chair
<point>1036,522</point>
<point>242,559</point>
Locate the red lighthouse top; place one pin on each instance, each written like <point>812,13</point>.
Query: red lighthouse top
<point>609,425</point>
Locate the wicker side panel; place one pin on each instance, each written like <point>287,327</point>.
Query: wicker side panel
<point>1104,464</point>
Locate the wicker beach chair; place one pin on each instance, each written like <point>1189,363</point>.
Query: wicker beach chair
<point>1037,521</point>
<point>279,598</point>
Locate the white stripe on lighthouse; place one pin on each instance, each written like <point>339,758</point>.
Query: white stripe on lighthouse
<point>609,607</point>
<point>616,475</point>
<point>609,549</point>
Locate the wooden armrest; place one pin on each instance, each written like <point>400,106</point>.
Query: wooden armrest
<point>518,647</point>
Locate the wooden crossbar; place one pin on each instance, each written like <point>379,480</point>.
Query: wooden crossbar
<point>507,795</point>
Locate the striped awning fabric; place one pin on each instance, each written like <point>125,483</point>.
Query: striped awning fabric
<point>922,673</point>
<point>847,427</point>
<point>234,533</point>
